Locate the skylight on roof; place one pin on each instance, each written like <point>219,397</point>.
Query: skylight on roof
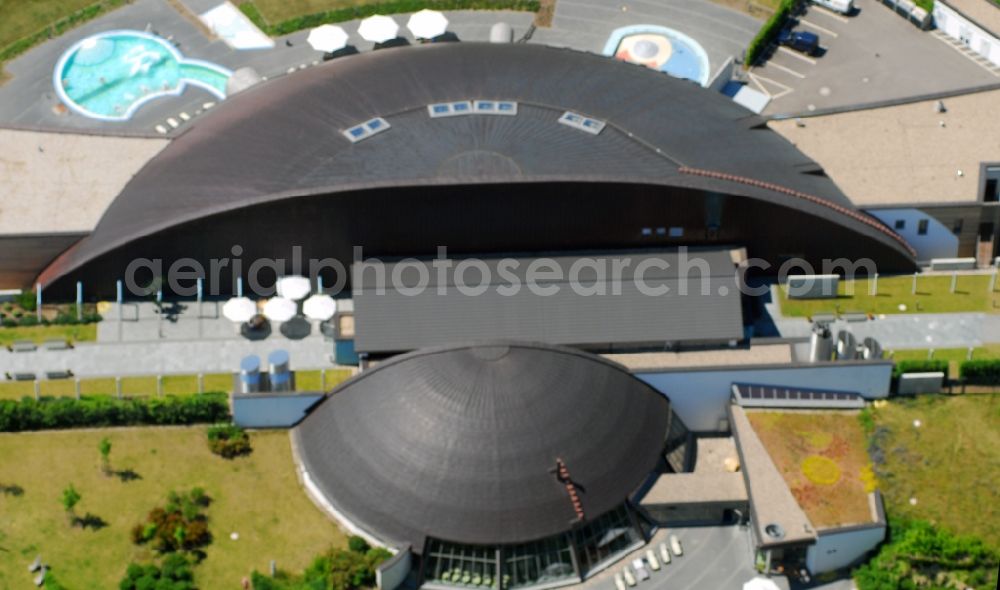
<point>449,109</point>
<point>583,123</point>
<point>496,107</point>
<point>366,129</point>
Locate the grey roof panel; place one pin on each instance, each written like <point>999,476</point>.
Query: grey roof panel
<point>394,320</point>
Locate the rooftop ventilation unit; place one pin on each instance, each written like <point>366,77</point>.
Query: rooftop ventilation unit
<point>449,109</point>
<point>585,124</point>
<point>367,129</point>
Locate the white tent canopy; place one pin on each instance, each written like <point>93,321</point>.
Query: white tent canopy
<point>427,24</point>
<point>280,309</point>
<point>319,307</point>
<point>239,309</point>
<point>378,29</point>
<point>328,38</point>
<point>294,287</point>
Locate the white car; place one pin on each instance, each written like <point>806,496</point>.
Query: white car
<point>841,6</point>
<point>641,573</point>
<point>675,545</point>
<point>664,553</point>
<point>654,563</point>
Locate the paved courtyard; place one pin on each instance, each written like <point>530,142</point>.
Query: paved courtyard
<point>871,57</point>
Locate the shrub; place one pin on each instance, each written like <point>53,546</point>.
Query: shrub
<point>64,412</point>
<point>309,21</point>
<point>769,30</point>
<point>175,574</point>
<point>981,372</point>
<point>338,569</point>
<point>357,544</point>
<point>228,441</point>
<point>917,555</point>
<point>924,366</point>
<point>181,525</point>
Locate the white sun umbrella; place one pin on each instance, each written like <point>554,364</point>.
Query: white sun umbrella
<point>239,309</point>
<point>319,307</point>
<point>280,309</point>
<point>294,287</point>
<point>427,24</point>
<point>378,29</point>
<point>327,38</point>
<point>761,583</point>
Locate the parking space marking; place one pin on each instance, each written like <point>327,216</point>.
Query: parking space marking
<point>798,75</point>
<point>797,55</point>
<point>813,25</point>
<point>968,53</point>
<point>759,81</point>
<point>829,13</point>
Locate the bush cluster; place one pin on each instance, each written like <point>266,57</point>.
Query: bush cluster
<point>769,30</point>
<point>64,318</point>
<point>64,412</point>
<point>228,441</point>
<point>920,366</point>
<point>180,525</point>
<point>981,372</point>
<point>917,555</point>
<point>309,21</point>
<point>174,574</point>
<point>339,569</point>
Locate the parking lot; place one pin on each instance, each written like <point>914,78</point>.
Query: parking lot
<point>871,56</point>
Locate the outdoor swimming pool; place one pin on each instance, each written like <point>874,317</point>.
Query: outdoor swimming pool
<point>110,75</point>
<point>661,49</point>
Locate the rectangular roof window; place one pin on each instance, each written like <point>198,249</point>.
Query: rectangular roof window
<point>365,130</point>
<point>583,123</point>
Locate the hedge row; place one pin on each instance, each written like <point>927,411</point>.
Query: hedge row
<point>63,319</point>
<point>66,412</point>
<point>767,33</point>
<point>309,21</point>
<point>58,28</point>
<point>983,372</point>
<point>920,366</point>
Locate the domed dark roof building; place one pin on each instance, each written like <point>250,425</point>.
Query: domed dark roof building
<point>483,148</point>
<point>503,459</point>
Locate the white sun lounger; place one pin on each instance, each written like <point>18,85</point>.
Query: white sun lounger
<point>36,565</point>
<point>654,564</point>
<point>629,577</point>
<point>641,573</point>
<point>675,545</point>
<point>664,553</point>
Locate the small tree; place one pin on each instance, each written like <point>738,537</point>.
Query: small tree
<point>70,498</point>
<point>105,448</point>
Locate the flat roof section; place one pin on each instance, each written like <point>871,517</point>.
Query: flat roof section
<point>63,182</point>
<point>696,488</point>
<point>772,504</point>
<point>767,354</point>
<point>902,155</point>
<point>984,13</point>
<point>626,315</point>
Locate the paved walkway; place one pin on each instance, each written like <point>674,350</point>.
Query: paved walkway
<point>148,343</point>
<point>917,330</point>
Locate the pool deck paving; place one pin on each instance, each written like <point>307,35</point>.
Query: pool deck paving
<point>28,99</point>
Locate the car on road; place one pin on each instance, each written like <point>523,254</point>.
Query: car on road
<point>803,41</point>
<point>842,6</point>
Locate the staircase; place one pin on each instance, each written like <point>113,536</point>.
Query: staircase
<point>968,52</point>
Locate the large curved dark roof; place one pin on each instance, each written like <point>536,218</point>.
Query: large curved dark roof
<point>459,443</point>
<point>283,139</point>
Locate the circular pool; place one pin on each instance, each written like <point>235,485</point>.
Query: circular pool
<point>110,75</point>
<point>662,49</point>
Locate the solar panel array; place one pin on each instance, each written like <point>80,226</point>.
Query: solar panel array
<point>781,396</point>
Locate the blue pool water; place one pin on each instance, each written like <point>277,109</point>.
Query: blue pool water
<point>110,75</point>
<point>688,58</point>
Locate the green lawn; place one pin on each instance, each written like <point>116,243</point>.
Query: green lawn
<point>933,296</point>
<point>950,464</point>
<point>24,17</point>
<point>257,496</point>
<point>146,386</point>
<point>39,334</point>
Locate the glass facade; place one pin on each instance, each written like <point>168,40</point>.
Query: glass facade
<point>556,560</point>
